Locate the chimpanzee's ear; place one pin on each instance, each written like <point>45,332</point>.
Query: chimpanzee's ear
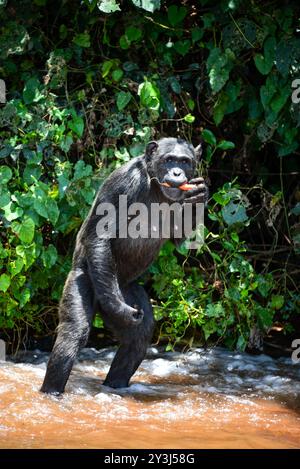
<point>150,149</point>
<point>198,152</point>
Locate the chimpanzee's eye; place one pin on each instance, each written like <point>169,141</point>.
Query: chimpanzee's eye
<point>185,161</point>
<point>169,159</point>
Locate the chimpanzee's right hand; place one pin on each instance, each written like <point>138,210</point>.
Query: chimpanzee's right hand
<point>132,316</point>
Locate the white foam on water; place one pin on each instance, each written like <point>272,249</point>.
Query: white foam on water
<point>162,367</point>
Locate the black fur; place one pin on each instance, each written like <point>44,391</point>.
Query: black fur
<point>104,271</point>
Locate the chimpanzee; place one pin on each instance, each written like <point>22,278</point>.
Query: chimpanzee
<point>105,269</point>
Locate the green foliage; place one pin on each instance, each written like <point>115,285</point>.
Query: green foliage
<point>88,85</point>
<point>223,305</point>
<point>43,197</point>
<point>149,95</point>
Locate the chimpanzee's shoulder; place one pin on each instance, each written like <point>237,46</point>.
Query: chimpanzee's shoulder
<point>135,164</point>
<point>128,178</point>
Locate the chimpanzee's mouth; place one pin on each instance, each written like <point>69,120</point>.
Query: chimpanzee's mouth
<point>172,193</point>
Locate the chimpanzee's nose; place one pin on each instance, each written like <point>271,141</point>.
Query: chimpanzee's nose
<point>176,172</point>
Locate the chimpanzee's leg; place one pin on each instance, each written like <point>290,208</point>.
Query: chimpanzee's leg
<point>75,317</point>
<point>134,339</point>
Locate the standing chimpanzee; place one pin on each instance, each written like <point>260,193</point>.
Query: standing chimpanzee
<point>105,269</point>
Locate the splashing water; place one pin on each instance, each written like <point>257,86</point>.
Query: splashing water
<point>200,399</point>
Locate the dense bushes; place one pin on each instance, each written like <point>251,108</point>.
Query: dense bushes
<point>88,84</point>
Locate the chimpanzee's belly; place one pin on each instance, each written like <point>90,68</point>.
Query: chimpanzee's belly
<point>135,256</point>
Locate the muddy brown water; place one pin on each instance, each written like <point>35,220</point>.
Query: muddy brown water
<point>200,399</point>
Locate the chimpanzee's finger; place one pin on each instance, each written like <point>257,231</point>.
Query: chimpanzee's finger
<point>197,199</point>
<point>201,188</point>
<point>198,180</point>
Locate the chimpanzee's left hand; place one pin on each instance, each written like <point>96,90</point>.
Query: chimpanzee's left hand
<point>199,194</point>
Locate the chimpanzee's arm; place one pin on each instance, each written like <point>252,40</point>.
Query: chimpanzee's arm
<point>102,271</point>
<point>192,198</point>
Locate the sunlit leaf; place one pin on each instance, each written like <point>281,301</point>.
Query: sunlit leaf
<point>108,6</point>
<point>4,282</point>
<point>24,229</point>
<point>148,5</point>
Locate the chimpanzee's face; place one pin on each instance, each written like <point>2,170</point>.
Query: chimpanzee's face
<point>173,163</point>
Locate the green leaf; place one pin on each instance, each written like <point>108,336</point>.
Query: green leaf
<point>267,91</point>
<point>44,205</point>
<point>288,149</point>
<point>148,5</point>
<point>4,199</point>
<point>77,125</point>
<point>215,310</point>
<point>225,145</point>
<point>32,174</point>
<point>176,14</point>
<point>98,322</point>
<point>106,67</point>
<point>221,199</point>
<point>5,174</point>
<point>149,95</point>
<point>5,151</point>
<point>219,65</point>
<point>66,143</point>
<point>108,6</point>
<point>261,64</point>
<point>12,211</point>
<point>53,212</point>
<point>235,237</point>
<point>24,230</point>
<point>82,40</point>
<point>23,296</point>
<point>264,63</point>
<point>241,343</point>
<point>117,74</point>
<point>209,137</point>
<point>280,98</point>
<point>191,104</point>
<point>209,328</point>
<point>82,170</point>
<point>31,92</point>
<point>40,204</point>
<point>189,118</point>
<point>49,256</point>
<point>265,316</point>
<point>27,253</point>
<point>133,34</point>
<point>124,42</point>
<point>15,267</point>
<point>220,107</point>
<point>182,47</point>
<point>234,212</point>
<point>123,98</point>
<point>238,264</point>
<point>4,282</point>
<point>197,34</point>
<point>63,31</point>
<point>265,284</point>
<point>277,301</point>
<point>287,55</point>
